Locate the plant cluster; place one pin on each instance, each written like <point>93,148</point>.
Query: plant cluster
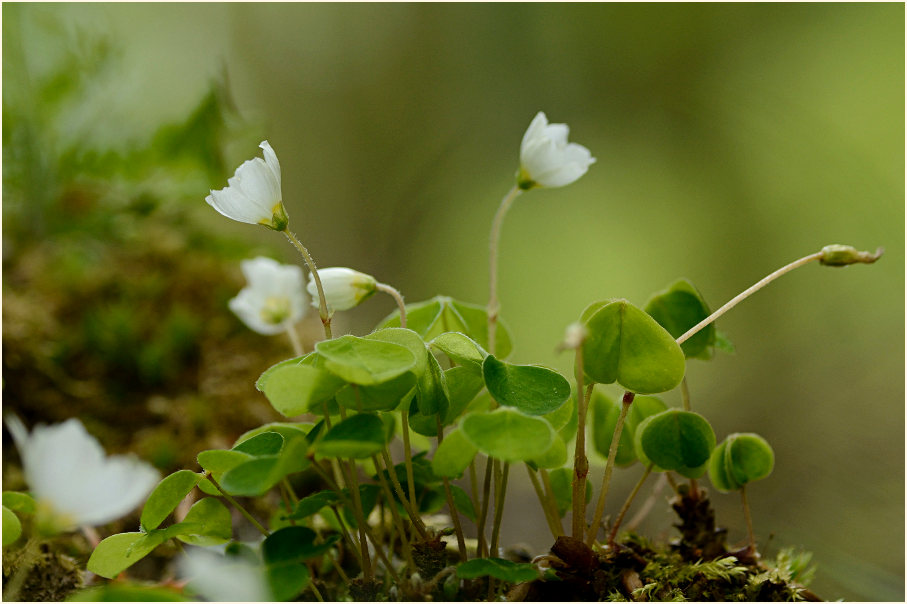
<point>434,376</point>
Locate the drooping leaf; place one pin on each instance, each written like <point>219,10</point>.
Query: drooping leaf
<point>166,496</point>
<point>463,385</point>
<point>679,308</point>
<point>627,346</point>
<point>357,436</point>
<point>259,474</point>
<point>295,389</point>
<point>431,390</point>
<point>507,434</point>
<point>461,349</point>
<point>264,377</point>
<point>499,568</point>
<point>453,454</point>
<point>364,362</point>
<point>605,412</point>
<point>531,389</point>
<point>386,396</point>
<point>554,456</point>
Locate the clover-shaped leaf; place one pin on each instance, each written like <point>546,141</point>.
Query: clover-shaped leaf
<point>627,346</point>
<point>740,459</point>
<point>166,496</point>
<point>675,440</point>
<point>679,308</point>
<point>453,454</point>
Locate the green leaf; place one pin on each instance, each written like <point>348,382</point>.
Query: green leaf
<point>461,349</point>
<point>626,345</point>
<point>259,474</point>
<point>19,502</point>
<point>679,308</point>
<point>443,314</point>
<point>463,385</point>
<point>218,461</point>
<point>605,413</point>
<point>431,389</point>
<point>364,362</point>
<point>499,568</point>
<point>12,527</point>
<point>289,431</point>
<point>555,456</point>
<point>531,389</point>
<point>118,552</point>
<point>266,443</point>
<point>507,434</point>
<point>380,397</point>
<point>358,436</point>
<point>463,502</point>
<point>295,389</point>
<point>313,504</point>
<point>676,440</point>
<point>166,496</point>
<point>294,544</point>
<point>561,416</point>
<point>561,481</point>
<point>215,519</point>
<point>453,454</point>
<point>739,460</point>
<point>264,377</point>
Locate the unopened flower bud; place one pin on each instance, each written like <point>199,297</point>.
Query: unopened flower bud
<point>344,288</point>
<point>842,255</point>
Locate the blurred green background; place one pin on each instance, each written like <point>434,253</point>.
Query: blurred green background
<point>731,139</point>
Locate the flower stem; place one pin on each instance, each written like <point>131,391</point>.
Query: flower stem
<point>395,515</point>
<point>481,547</point>
<point>412,513</point>
<point>609,468</point>
<point>747,293</point>
<point>393,291</point>
<point>494,306</point>
<point>500,492</point>
<point>627,504</point>
<point>454,515</point>
<point>749,520</point>
<point>294,340</point>
<point>580,461</point>
<point>408,461</point>
<point>322,303</point>
<point>27,560</point>
<point>552,526</point>
<point>235,504</point>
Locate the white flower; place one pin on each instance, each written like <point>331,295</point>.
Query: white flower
<point>274,298</point>
<point>72,479</point>
<point>344,288</point>
<point>547,159</point>
<point>221,579</point>
<point>253,193</point>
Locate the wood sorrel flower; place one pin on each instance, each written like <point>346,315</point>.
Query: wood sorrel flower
<point>221,579</point>
<point>74,482</point>
<point>344,288</point>
<point>253,194</point>
<point>274,298</point>
<point>547,159</point>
